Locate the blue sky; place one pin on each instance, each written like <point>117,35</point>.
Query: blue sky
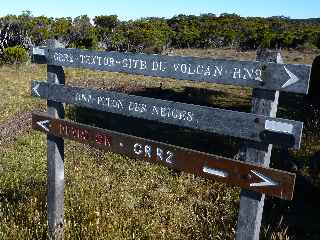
<point>134,9</point>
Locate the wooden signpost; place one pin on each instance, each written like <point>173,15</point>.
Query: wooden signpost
<point>268,75</point>
<point>225,122</point>
<point>272,76</point>
<point>272,182</point>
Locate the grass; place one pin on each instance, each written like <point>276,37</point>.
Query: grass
<point>151,202</point>
<point>15,89</point>
<point>108,196</point>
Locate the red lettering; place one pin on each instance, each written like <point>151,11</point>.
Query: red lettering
<point>63,129</point>
<point>99,139</point>
<point>73,132</point>
<point>102,139</point>
<point>84,135</point>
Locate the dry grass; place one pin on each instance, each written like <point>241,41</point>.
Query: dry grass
<point>110,197</point>
<point>289,56</point>
<point>15,89</point>
<point>113,197</point>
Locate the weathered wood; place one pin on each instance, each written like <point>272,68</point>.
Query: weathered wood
<point>55,158</point>
<point>269,181</point>
<point>225,122</point>
<point>264,75</point>
<point>251,203</point>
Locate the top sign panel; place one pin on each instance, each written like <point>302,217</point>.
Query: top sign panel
<point>272,76</point>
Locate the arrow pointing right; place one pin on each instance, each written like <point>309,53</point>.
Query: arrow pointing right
<point>293,79</point>
<point>44,125</point>
<point>266,181</point>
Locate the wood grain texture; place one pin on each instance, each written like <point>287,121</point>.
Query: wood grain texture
<point>265,103</point>
<point>255,74</point>
<point>248,126</point>
<point>276,183</point>
<point>55,158</point>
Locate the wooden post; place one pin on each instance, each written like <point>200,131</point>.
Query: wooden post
<point>55,156</point>
<point>264,102</point>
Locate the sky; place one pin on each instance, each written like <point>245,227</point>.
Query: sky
<point>126,9</point>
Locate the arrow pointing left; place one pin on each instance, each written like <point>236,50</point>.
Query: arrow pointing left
<point>266,181</point>
<point>44,125</point>
<point>35,89</point>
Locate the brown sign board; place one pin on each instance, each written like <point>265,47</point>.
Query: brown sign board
<point>249,176</point>
<point>271,76</point>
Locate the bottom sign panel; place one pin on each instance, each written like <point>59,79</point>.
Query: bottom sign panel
<point>265,180</point>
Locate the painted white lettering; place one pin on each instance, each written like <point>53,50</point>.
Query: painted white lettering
<point>135,63</point>
<point>159,154</point>
<point>125,63</point>
<point>143,65</point>
<point>207,71</point>
<point>237,73</point>
<point>169,158</point>
<point>200,69</point>
<point>129,63</point>
<point>182,115</point>
<point>99,60</point>
<point>137,148</point>
<point>137,107</point>
<point>247,72</point>
<point>258,74</point>
<point>155,66</point>
<point>155,110</point>
<point>218,71</point>
<point>82,58</point>
<point>176,66</point>
<point>59,57</point>
<point>147,151</point>
<point>175,113</point>
<point>100,99</point>
<point>183,68</point>
<point>111,60</point>
<point>163,112</point>
<point>189,117</point>
<point>131,106</point>
<point>108,61</point>
<point>162,66</point>
<point>191,71</point>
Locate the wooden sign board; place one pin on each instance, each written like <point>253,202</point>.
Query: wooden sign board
<point>272,76</point>
<point>248,126</point>
<point>265,180</point>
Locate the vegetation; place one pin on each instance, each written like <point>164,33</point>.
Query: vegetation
<point>14,55</point>
<point>108,196</point>
<point>159,34</point>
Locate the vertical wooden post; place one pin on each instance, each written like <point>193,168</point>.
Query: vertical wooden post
<point>55,156</point>
<point>264,102</point>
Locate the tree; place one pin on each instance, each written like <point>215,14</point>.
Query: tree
<point>82,34</point>
<point>61,28</point>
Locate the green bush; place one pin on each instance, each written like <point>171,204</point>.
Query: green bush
<point>14,55</point>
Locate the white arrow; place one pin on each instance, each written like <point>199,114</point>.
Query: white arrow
<point>266,181</point>
<point>293,79</point>
<point>35,89</point>
<point>44,125</point>
<point>216,172</point>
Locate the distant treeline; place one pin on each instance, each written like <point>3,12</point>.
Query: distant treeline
<point>158,34</point>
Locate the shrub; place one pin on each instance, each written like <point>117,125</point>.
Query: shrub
<point>14,55</point>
